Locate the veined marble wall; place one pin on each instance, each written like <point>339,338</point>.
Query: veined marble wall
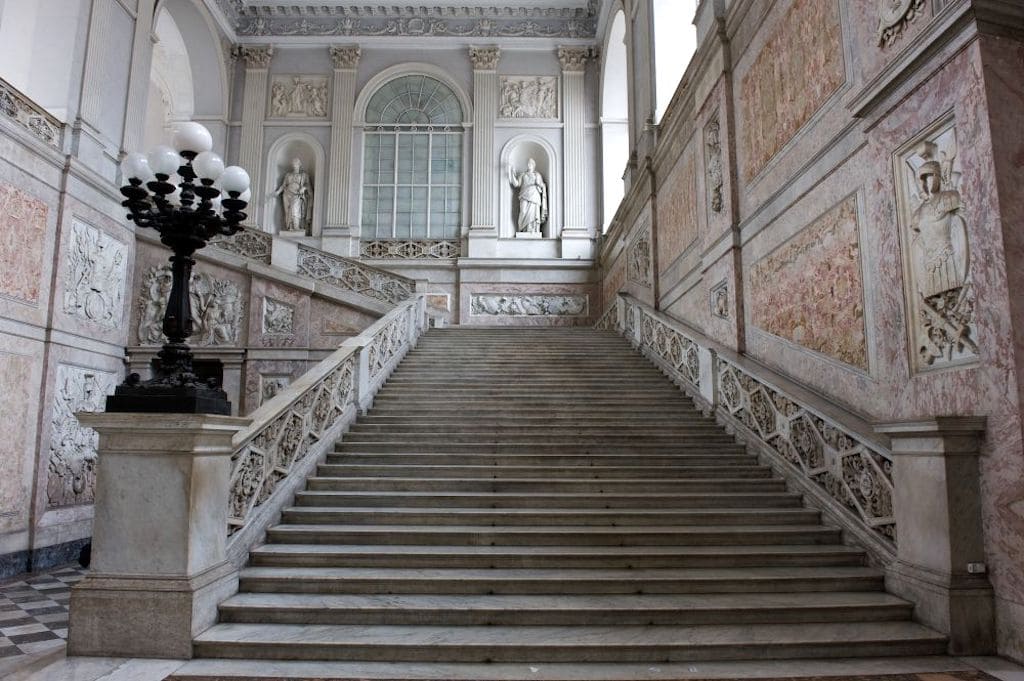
<point>866,237</point>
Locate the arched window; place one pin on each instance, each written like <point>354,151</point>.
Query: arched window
<point>412,161</point>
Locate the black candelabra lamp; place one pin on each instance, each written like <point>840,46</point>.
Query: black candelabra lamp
<point>187,195</point>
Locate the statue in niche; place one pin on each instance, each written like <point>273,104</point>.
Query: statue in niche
<point>533,197</point>
<point>939,248</point>
<point>296,194</point>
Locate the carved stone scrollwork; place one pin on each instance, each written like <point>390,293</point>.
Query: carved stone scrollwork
<point>937,254</point>
<point>638,263</point>
<point>528,97</point>
<point>422,249</point>
<point>97,267</point>
<point>676,350</point>
<point>249,243</point>
<point>71,474</point>
<point>715,180</point>
<point>484,58</point>
<point>298,97</point>
<point>387,344</point>
<point>894,16</point>
<point>856,475</point>
<point>573,58</point>
<point>528,305</point>
<point>257,57</point>
<point>217,308</point>
<point>345,57</point>
<point>27,114</point>
<point>353,276</point>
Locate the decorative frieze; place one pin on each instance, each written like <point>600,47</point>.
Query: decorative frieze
<point>937,257</point>
<point>24,112</point>
<point>534,97</point>
<point>573,58</point>
<point>419,249</point>
<point>298,97</point>
<point>22,237</point>
<point>528,305</point>
<point>217,308</point>
<point>713,164</point>
<point>484,58</point>
<point>71,472</point>
<point>894,16</point>
<point>853,473</point>
<point>719,300</point>
<point>810,290</point>
<point>345,57</point>
<point>351,275</point>
<point>95,280</point>
<point>638,262</point>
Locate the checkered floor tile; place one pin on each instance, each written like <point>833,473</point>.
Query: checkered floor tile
<point>34,610</point>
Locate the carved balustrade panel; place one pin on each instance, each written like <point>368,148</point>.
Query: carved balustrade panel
<point>21,110</point>
<point>675,349</point>
<point>415,249</point>
<point>351,275</point>
<point>248,243</point>
<point>609,321</point>
<point>387,344</point>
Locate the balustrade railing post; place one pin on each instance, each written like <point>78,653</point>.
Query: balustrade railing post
<point>940,547</point>
<point>364,392</point>
<point>284,253</point>
<point>708,360</point>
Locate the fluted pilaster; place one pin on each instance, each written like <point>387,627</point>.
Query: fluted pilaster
<point>346,62</point>
<point>573,62</point>
<point>485,112</point>
<point>254,112</point>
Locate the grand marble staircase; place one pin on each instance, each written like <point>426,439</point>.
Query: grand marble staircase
<point>547,496</point>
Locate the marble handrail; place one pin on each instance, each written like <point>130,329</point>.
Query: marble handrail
<point>290,433</point>
<point>837,455</point>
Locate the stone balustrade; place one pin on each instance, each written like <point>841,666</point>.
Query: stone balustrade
<point>18,108</point>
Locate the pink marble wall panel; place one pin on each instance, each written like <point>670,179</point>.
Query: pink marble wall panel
<point>266,378</point>
<point>799,67</point>
<point>22,238</point>
<point>330,324</point>
<point>613,281</point>
<point>677,204</point>
<point>278,315</point>
<point>18,399</point>
<point>810,290</point>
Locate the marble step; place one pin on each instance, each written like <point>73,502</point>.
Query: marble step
<point>690,429</point>
<point>343,470</point>
<point>565,446</point>
<point>676,580</point>
<point>499,419</point>
<point>506,517</point>
<point>477,434</point>
<point>543,485</point>
<point>546,400</point>
<point>570,611</point>
<point>566,644</point>
<point>566,535</point>
<point>547,461</point>
<point>506,500</point>
<point>555,557</point>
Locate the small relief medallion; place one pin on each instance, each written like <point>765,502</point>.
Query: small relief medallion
<point>936,251</point>
<point>893,18</point>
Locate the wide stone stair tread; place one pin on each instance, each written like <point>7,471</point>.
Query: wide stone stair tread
<point>507,471</point>
<point>509,500</point>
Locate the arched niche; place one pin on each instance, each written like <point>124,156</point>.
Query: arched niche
<point>307,149</point>
<point>517,152</point>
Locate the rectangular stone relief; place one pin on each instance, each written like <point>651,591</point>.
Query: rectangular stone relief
<point>71,475</point>
<point>935,241</point>
<point>15,402</point>
<point>278,323</point>
<point>528,97</point>
<point>217,308</point>
<point>271,385</point>
<point>638,263</point>
<point>22,234</point>
<point>529,305</point>
<point>95,280</point>
<point>677,211</point>
<point>298,97</point>
<point>800,66</point>
<point>810,290</point>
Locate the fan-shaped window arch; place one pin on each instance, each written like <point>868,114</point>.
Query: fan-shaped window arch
<point>412,161</point>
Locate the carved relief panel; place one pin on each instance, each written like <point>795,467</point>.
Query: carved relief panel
<point>713,164</point>
<point>528,305</point>
<point>719,300</point>
<point>934,236</point>
<point>894,16</point>
<point>298,97</point>
<point>528,97</point>
<point>97,266</point>
<point>638,263</point>
<point>217,308</point>
<point>270,386</point>
<point>71,475</point>
<point>278,323</point>
<point>22,235</point>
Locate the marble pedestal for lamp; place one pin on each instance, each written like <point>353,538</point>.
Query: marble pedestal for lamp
<point>159,562</point>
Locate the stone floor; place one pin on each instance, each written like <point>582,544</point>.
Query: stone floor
<point>34,612</point>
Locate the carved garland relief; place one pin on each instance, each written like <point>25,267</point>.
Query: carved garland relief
<point>97,267</point>
<point>529,97</point>
<point>936,250</point>
<point>217,308</point>
<point>810,290</point>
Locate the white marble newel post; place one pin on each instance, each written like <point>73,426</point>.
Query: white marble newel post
<point>940,549</point>
<point>483,232</point>
<point>337,235</point>
<point>254,112</point>
<point>159,566</point>
<point>576,237</point>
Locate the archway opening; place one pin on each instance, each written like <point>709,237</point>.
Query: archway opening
<point>614,117</point>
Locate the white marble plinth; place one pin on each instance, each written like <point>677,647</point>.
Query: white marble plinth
<point>529,235</point>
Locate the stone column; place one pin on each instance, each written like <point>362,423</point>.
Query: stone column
<point>338,236</point>
<point>254,112</point>
<point>576,238</point>
<point>159,566</point>
<point>483,232</point>
<point>940,552</point>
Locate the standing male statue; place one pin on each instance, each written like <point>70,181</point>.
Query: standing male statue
<point>533,197</point>
<point>296,195</point>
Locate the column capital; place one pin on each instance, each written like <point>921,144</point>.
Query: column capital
<point>346,56</point>
<point>484,58</point>
<point>574,58</point>
<point>257,57</point>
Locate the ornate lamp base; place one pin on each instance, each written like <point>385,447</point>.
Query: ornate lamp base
<point>153,398</point>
